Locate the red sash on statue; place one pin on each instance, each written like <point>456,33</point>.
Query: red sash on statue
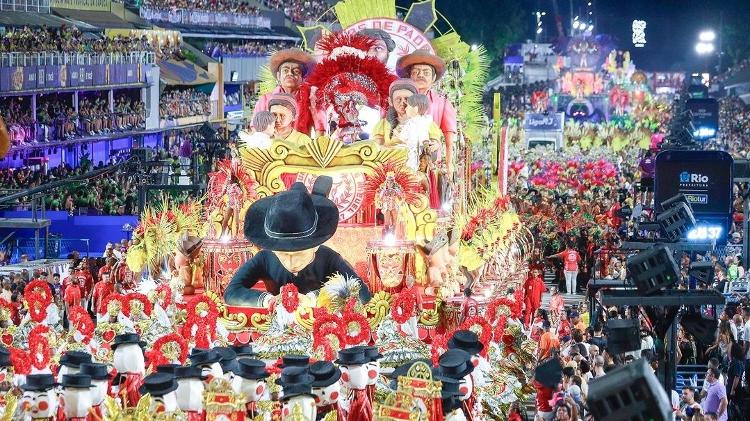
<point>129,389</point>
<point>361,407</point>
<point>468,407</point>
<point>95,413</point>
<point>371,392</point>
<point>437,410</point>
<point>325,409</point>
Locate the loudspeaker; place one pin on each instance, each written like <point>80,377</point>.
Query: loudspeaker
<point>672,201</point>
<point>677,221</point>
<point>702,271</point>
<point>703,329</point>
<point>630,393</point>
<point>207,131</point>
<point>653,269</point>
<point>623,335</point>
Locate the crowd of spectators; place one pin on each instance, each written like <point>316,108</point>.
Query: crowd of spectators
<point>66,39</point>
<point>244,49</point>
<point>56,119</point>
<point>732,71</point>
<point>226,6</point>
<point>178,103</point>
<point>110,194</point>
<point>302,10</point>
<point>734,127</point>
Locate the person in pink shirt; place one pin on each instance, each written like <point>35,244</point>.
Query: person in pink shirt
<point>571,259</point>
<point>425,69</point>
<point>556,302</point>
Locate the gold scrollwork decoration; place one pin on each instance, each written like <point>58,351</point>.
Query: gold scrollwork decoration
<point>260,322</point>
<point>378,308</point>
<point>431,317</point>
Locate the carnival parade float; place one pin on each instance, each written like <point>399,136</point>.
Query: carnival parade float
<point>351,269</point>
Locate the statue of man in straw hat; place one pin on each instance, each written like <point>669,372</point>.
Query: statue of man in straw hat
<point>425,68</point>
<point>289,66</point>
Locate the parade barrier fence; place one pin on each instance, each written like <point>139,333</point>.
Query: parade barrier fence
<point>204,18</point>
<point>57,248</point>
<point>98,229</point>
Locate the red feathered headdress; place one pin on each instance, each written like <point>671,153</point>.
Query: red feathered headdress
<point>347,69</point>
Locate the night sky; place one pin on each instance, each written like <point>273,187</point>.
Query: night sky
<point>672,25</point>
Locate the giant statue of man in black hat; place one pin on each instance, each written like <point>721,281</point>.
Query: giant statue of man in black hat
<point>290,227</point>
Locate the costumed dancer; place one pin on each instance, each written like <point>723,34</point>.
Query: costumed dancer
<point>70,363</point>
<point>208,360</point>
<point>353,365</point>
<point>298,399</point>
<point>468,341</point>
<point>40,401</point>
<point>327,389</point>
<point>100,383</point>
<point>291,227</point>
<point>388,198</point>
<point>250,381</point>
<point>373,369</point>
<point>128,360</point>
<point>189,392</point>
<point>533,288</point>
<point>456,364</point>
<point>161,387</point>
<point>77,397</point>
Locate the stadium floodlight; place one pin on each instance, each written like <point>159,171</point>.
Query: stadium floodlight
<point>707,36</point>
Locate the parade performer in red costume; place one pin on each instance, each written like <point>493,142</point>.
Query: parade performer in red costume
<point>533,288</point>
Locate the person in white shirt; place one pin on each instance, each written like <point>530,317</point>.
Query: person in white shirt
<point>263,122</point>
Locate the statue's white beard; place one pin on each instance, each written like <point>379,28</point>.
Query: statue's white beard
<point>77,402</point>
<point>190,394</point>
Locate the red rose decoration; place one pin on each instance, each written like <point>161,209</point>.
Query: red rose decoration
<point>290,297</point>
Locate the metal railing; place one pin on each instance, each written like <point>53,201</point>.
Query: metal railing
<point>37,6</point>
<point>57,248</point>
<point>204,18</point>
<point>59,59</point>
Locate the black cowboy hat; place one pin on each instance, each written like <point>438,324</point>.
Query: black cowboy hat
<point>243,350</point>
<point>158,384</point>
<point>325,373</point>
<point>96,371</point>
<point>76,381</point>
<point>205,357</point>
<point>371,352</point>
<point>167,368</point>
<point>74,359</point>
<point>5,357</point>
<point>294,360</point>
<point>294,375</point>
<point>251,369</point>
<point>455,363</point>
<point>352,356</point>
<point>188,372</point>
<point>228,358</point>
<point>39,382</point>
<point>466,340</point>
<point>128,338</point>
<point>293,220</point>
<point>450,385</point>
<point>404,368</point>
